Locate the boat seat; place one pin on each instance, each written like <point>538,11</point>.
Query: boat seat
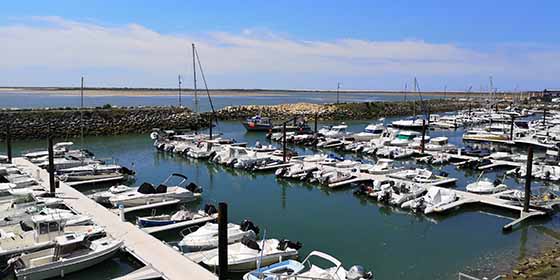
<point>161,189</point>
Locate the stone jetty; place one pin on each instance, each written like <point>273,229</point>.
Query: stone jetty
<point>66,122</point>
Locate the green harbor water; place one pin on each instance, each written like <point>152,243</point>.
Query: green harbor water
<point>394,244</point>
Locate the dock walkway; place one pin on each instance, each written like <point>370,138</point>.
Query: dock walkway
<point>148,249</point>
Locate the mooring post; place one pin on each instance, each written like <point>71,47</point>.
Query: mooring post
<point>528,178</point>
<point>316,117</point>
<point>9,142</point>
<point>222,241</point>
<point>51,165</point>
<point>284,141</point>
<point>422,144</point>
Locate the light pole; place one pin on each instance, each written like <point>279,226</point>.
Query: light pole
<point>337,92</point>
<point>179,77</point>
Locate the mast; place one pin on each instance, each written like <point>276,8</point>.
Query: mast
<point>405,90</point>
<point>337,92</point>
<point>194,80</point>
<point>82,111</point>
<point>180,104</point>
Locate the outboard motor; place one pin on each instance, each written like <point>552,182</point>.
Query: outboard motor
<point>210,209</point>
<point>247,225</point>
<point>249,242</point>
<point>127,171</point>
<point>285,244</point>
<point>193,188</point>
<point>280,172</point>
<point>358,272</point>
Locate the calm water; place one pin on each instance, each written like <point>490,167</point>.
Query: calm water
<point>31,100</point>
<point>391,243</point>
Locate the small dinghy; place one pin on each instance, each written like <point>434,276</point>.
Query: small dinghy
<point>206,237</point>
<point>306,270</point>
<point>72,253</point>
<point>433,201</point>
<point>177,217</point>
<point>249,254</point>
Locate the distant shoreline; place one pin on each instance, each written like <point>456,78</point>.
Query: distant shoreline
<point>218,92</point>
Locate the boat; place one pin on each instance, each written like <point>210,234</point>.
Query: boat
<point>72,253</point>
<point>206,237</point>
<point>258,123</point>
<point>372,131</point>
<point>433,201</point>
<point>104,196</point>
<point>291,269</point>
<point>337,131</point>
<point>404,138</point>
<point>493,133</point>
<point>38,233</point>
<point>382,166</point>
<point>410,123</point>
<point>247,254</point>
<point>485,186</point>
<point>94,172</point>
<point>440,144</point>
<point>177,217</point>
<point>148,193</point>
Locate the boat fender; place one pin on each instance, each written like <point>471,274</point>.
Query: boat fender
<point>358,272</point>
<point>249,242</point>
<point>285,244</point>
<point>210,209</point>
<point>247,225</point>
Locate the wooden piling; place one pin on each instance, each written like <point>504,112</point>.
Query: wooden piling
<point>422,144</point>
<point>8,142</point>
<point>52,185</point>
<point>222,241</point>
<point>528,178</point>
<point>284,141</point>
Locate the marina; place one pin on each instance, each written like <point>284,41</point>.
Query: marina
<point>279,141</point>
<point>340,171</point>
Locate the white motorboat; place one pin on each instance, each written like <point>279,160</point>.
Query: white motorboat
<point>177,217</point>
<point>485,186</point>
<point>249,254</point>
<point>382,166</point>
<point>104,196</point>
<point>310,270</point>
<point>206,237</point>
<point>3,159</point>
<point>337,131</point>
<point>93,172</point>
<point>440,144</point>
<point>404,138</point>
<point>411,123</point>
<point>71,253</point>
<point>329,143</point>
<point>148,193</point>
<point>405,193</point>
<point>38,233</point>
<point>372,131</point>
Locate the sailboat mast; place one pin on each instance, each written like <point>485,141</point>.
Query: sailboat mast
<point>194,80</point>
<point>180,103</point>
<point>82,111</point>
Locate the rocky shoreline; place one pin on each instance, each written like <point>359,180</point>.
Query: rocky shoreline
<point>65,122</point>
<point>544,266</point>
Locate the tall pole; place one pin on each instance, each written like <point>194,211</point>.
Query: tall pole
<point>284,141</point>
<point>9,142</point>
<point>316,117</point>
<point>445,92</point>
<point>51,164</point>
<point>422,145</point>
<point>210,128</point>
<point>337,92</point>
<point>82,111</point>
<point>511,128</point>
<point>528,178</point>
<point>222,241</point>
<point>194,80</point>
<point>405,90</point>
<point>180,103</point>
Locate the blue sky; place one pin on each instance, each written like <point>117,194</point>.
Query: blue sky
<point>309,44</point>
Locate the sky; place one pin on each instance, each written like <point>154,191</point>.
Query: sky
<point>301,44</point>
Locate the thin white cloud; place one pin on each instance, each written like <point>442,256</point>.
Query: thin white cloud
<point>139,56</point>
